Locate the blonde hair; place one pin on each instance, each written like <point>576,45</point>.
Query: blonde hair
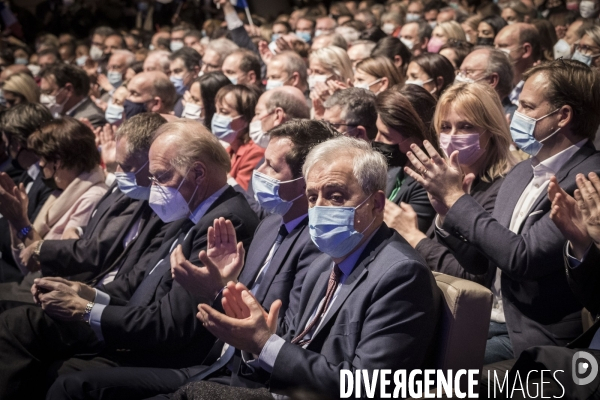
<point>452,30</point>
<point>380,67</point>
<point>480,105</point>
<point>195,143</point>
<point>23,85</point>
<point>334,59</point>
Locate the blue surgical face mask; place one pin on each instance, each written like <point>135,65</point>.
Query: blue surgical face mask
<point>584,58</point>
<point>115,78</point>
<point>221,127</point>
<point>266,192</point>
<point>179,85</point>
<point>275,36</point>
<point>128,185</point>
<point>521,130</point>
<point>114,113</point>
<point>21,61</point>
<point>332,229</point>
<point>232,79</point>
<point>304,36</point>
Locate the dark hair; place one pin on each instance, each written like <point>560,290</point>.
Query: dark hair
<point>137,67</point>
<point>424,29</point>
<point>311,20</point>
<point>104,31</point>
<point>67,73</point>
<point>244,103</point>
<point>121,38</point>
<point>8,56</point>
<point>422,101</point>
<point>358,108</point>
<point>495,21</point>
<point>461,49</point>
<point>529,34</point>
<point>70,46</point>
<point>284,23</point>
<point>190,57</point>
<point>47,51</point>
<point>548,37</point>
<point>436,65</point>
<point>304,135</point>
<point>139,131</point>
<point>373,34</point>
<point>574,84</point>
<point>434,5</point>
<point>356,24</point>
<point>249,61</point>
<point>391,47</point>
<point>396,112</point>
<point>194,33</point>
<point>210,84</point>
<point>20,121</point>
<point>68,140</point>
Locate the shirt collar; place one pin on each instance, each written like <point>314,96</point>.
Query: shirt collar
<point>553,164</point>
<point>34,170</point>
<point>68,113</point>
<point>290,226</point>
<point>349,263</point>
<point>205,205</point>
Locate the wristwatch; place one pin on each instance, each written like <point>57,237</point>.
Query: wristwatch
<point>87,312</point>
<point>22,234</point>
<point>36,251</point>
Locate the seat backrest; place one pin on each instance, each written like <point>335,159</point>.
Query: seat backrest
<point>465,320</point>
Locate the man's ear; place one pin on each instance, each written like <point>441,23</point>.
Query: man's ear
<point>158,103</point>
<point>565,116</point>
<point>379,201</point>
<point>200,171</point>
<point>279,116</point>
<point>252,77</point>
<point>361,133</point>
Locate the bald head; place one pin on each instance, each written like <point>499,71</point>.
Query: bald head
<point>154,89</point>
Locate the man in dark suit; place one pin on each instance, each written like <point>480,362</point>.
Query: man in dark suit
<point>18,123</point>
<point>555,121</point>
<point>275,267</point>
<point>370,302</point>
<point>143,318</point>
<point>65,88</point>
<point>120,218</point>
<point>577,218</point>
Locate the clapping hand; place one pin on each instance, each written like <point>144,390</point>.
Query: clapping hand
<point>443,179</point>
<point>109,147</point>
<point>404,220</point>
<point>223,260</point>
<point>247,326</point>
<point>13,202</point>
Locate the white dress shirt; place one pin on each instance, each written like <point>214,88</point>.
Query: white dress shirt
<point>542,172</point>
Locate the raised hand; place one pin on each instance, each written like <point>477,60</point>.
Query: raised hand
<point>223,260</point>
<point>109,147</point>
<point>403,219</point>
<point>443,179</point>
<point>249,333</point>
<point>588,201</point>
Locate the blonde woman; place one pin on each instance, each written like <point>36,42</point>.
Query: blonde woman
<point>20,88</point>
<point>469,118</point>
<point>330,70</point>
<point>377,74</point>
<point>443,32</point>
<point>469,27</point>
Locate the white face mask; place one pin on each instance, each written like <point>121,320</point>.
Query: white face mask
<point>562,49</point>
<point>257,135</point>
<point>587,8</point>
<point>168,203</point>
<point>96,53</point>
<point>49,101</point>
<point>407,43</point>
<point>417,82</point>
<point>192,111</point>
<point>314,79</point>
<point>366,86</point>
<point>388,28</point>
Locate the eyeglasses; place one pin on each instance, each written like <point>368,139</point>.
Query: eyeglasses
<point>587,50</point>
<point>468,73</point>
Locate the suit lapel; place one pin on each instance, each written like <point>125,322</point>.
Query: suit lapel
<point>257,257</point>
<point>316,295</point>
<point>517,186</point>
<point>278,259</point>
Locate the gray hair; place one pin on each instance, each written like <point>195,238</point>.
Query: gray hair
<point>349,33</point>
<point>424,29</point>
<point>594,34</point>
<point>499,63</point>
<point>129,56</point>
<point>223,47</point>
<point>335,39</point>
<point>291,105</point>
<point>194,143</point>
<point>369,166</point>
<point>163,59</point>
<point>357,108</point>
<point>292,62</point>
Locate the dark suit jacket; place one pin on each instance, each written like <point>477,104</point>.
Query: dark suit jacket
<point>160,328</point>
<point>384,316</point>
<point>441,258</point>
<point>411,192</point>
<point>102,241</point>
<point>88,109</point>
<point>539,307</point>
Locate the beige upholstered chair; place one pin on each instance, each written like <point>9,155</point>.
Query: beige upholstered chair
<point>464,325</point>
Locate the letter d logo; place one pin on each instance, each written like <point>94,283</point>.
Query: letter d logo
<point>590,365</point>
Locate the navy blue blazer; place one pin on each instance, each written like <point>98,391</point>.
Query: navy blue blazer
<point>384,316</point>
<point>539,307</point>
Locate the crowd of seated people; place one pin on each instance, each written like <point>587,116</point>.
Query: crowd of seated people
<point>212,202</point>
